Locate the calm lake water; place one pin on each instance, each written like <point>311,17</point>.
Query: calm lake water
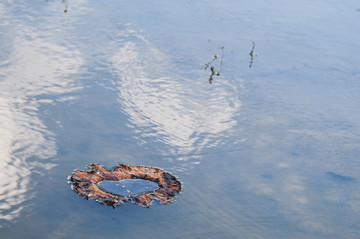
<point>269,150</point>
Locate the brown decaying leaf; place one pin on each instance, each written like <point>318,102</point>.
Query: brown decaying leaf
<point>84,183</point>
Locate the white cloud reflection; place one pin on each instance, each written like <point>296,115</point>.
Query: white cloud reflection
<point>185,114</point>
<point>35,68</point>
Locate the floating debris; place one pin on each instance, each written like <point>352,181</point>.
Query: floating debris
<point>210,64</point>
<point>85,183</point>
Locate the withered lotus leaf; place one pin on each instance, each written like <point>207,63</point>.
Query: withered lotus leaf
<point>85,183</point>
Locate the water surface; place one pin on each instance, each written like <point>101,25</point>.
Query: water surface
<point>128,187</point>
<point>267,151</point>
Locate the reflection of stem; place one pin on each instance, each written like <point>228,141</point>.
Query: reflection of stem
<point>222,57</point>
<point>251,53</point>
<point>209,63</point>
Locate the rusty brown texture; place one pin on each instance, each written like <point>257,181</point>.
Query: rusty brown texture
<point>85,183</point>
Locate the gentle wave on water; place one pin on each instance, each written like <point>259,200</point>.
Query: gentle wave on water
<point>35,71</point>
<point>186,114</point>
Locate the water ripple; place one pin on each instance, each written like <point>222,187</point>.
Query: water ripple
<point>186,114</point>
<point>33,71</point>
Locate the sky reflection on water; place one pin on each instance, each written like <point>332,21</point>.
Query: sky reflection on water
<point>266,152</point>
<point>34,71</point>
<point>180,112</point>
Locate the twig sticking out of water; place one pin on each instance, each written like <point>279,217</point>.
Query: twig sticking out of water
<point>251,53</point>
<point>213,72</point>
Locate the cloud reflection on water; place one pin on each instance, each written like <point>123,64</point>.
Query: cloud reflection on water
<point>31,75</point>
<point>185,114</point>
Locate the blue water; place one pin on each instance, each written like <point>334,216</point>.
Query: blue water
<point>128,187</point>
<point>267,151</point>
